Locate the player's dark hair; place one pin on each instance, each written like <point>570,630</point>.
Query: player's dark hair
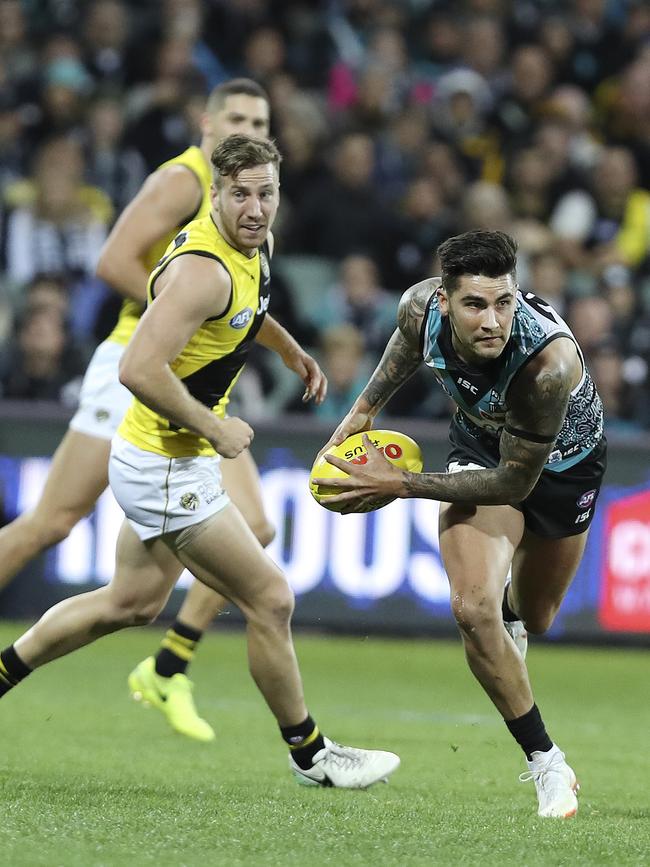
<point>234,87</point>
<point>491,254</point>
<point>237,152</point>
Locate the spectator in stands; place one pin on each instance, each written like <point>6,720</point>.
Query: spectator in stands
<point>45,364</point>
<point>344,213</point>
<point>64,91</point>
<point>12,163</point>
<point>608,223</point>
<point>622,401</point>
<point>514,115</point>
<point>344,361</point>
<point>485,205</point>
<point>105,38</point>
<point>17,51</point>
<point>570,111</point>
<point>399,151</point>
<point>301,127</point>
<point>554,34</point>
<point>625,106</point>
<point>264,54</point>
<point>359,299</point>
<point>48,293</point>
<point>424,221</point>
<point>484,50</point>
<point>440,39</point>
<point>371,87</point>
<point>460,118</point>
<point>442,164</point>
<point>117,169</point>
<point>160,127</point>
<point>185,20</point>
<point>530,183</point>
<point>598,48</point>
<point>591,321</point>
<point>624,302</point>
<point>548,278</point>
<point>53,222</point>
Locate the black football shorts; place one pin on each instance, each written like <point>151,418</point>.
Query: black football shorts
<point>560,504</point>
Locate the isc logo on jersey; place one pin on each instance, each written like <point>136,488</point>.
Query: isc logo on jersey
<point>241,319</point>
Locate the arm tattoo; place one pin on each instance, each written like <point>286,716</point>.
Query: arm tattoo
<point>402,356</point>
<point>538,400</point>
<point>397,364</point>
<point>412,308</point>
<point>510,482</point>
<point>539,405</point>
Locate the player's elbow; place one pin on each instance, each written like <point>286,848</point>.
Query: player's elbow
<point>130,373</point>
<point>519,487</point>
<point>106,267</point>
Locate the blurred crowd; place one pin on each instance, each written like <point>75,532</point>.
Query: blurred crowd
<point>401,122</point>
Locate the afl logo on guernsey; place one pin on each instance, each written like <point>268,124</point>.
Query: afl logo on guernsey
<point>241,319</point>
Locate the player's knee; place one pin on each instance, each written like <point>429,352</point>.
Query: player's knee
<point>539,622</point>
<point>145,614</point>
<point>51,529</point>
<point>134,611</point>
<point>264,532</point>
<point>474,617</point>
<point>275,606</point>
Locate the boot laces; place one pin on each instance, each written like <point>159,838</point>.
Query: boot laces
<point>541,775</point>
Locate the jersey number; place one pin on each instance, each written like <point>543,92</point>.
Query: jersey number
<point>540,306</point>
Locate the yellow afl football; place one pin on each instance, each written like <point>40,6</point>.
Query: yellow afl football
<point>396,447</point>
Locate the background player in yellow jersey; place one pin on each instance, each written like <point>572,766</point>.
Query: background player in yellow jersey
<point>174,194</point>
<point>208,301</point>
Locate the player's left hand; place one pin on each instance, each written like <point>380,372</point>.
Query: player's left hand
<point>377,480</point>
<point>309,371</point>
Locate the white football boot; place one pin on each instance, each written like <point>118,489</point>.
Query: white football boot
<point>517,631</point>
<point>346,767</point>
<point>555,782</point>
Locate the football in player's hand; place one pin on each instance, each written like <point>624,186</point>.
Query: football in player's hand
<point>396,447</point>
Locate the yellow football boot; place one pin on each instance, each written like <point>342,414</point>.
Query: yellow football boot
<point>173,698</point>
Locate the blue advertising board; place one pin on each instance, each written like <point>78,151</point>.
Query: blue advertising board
<point>370,572</point>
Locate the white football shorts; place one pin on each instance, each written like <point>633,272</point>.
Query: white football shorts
<point>161,495</point>
<point>103,401</point>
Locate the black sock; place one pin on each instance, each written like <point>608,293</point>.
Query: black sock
<point>304,740</point>
<point>506,611</point>
<point>12,669</point>
<point>530,732</point>
<point>177,649</point>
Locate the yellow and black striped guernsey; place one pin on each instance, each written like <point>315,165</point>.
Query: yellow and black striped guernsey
<point>131,311</point>
<point>211,362</point>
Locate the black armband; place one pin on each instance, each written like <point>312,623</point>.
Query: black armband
<point>526,435</point>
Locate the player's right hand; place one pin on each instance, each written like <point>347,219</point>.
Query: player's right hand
<point>234,435</point>
<point>354,422</point>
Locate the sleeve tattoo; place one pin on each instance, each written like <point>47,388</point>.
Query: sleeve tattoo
<point>539,407</point>
<point>402,356</point>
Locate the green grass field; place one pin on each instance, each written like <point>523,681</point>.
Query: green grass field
<point>90,778</point>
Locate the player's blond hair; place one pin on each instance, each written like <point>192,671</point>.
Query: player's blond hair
<point>237,152</point>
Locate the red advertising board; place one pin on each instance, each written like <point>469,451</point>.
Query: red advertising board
<point>625,589</point>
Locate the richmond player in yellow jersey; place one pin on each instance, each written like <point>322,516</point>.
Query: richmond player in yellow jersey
<point>174,194</point>
<point>208,300</point>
